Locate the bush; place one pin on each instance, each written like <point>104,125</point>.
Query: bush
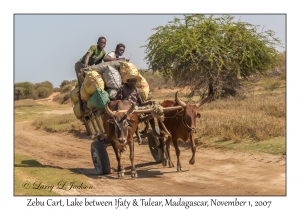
<point>67,83</point>
<point>67,88</point>
<point>18,93</point>
<point>25,90</point>
<point>43,92</point>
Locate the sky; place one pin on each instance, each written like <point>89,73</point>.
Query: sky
<point>46,46</point>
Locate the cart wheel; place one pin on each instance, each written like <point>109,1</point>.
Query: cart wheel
<point>100,157</point>
<point>156,152</point>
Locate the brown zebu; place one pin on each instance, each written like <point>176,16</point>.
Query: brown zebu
<point>182,125</point>
<point>120,123</point>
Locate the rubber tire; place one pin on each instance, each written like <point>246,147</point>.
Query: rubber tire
<point>156,152</point>
<point>100,158</point>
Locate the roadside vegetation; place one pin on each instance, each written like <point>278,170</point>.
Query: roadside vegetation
<point>64,91</point>
<point>28,90</point>
<point>255,119</point>
<point>59,123</point>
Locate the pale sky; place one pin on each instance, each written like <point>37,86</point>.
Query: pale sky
<point>47,46</point>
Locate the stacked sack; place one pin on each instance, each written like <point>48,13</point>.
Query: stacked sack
<point>91,82</point>
<point>74,96</point>
<point>91,91</point>
<point>129,68</point>
<point>113,81</point>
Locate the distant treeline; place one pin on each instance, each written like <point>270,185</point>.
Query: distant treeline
<point>28,90</point>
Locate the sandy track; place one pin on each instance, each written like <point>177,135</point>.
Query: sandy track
<point>216,171</point>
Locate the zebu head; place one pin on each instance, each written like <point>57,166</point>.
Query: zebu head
<point>121,121</point>
<point>190,112</point>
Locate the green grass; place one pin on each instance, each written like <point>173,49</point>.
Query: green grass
<point>33,178</point>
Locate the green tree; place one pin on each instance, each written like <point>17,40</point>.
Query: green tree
<point>18,93</point>
<point>43,92</point>
<point>198,50</point>
<point>44,89</point>
<point>28,90</point>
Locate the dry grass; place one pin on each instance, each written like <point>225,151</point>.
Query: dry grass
<point>256,118</point>
<point>25,103</point>
<point>59,123</point>
<point>62,98</point>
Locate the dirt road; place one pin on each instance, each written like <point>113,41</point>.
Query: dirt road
<point>216,172</point>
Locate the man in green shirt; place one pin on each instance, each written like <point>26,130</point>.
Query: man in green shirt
<point>93,56</point>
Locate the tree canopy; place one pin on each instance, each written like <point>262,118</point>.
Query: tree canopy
<point>199,49</point>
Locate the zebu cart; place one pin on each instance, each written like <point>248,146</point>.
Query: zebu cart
<point>100,158</point>
<point>93,120</point>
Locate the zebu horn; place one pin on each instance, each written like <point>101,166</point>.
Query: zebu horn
<point>180,102</point>
<point>108,111</point>
<point>203,101</point>
<point>130,110</point>
<point>168,109</point>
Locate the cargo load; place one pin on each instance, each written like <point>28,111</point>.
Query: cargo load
<point>129,68</point>
<point>143,86</point>
<point>76,110</point>
<point>112,80</point>
<point>98,100</point>
<point>100,68</point>
<point>91,82</point>
<point>74,95</point>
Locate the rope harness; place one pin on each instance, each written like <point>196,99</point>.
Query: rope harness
<point>182,114</point>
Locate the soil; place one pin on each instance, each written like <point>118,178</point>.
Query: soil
<point>215,172</point>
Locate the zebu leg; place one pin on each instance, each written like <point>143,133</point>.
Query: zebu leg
<point>169,140</point>
<point>131,157</point>
<point>177,150</point>
<point>162,147</point>
<point>193,148</point>
<point>120,168</point>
